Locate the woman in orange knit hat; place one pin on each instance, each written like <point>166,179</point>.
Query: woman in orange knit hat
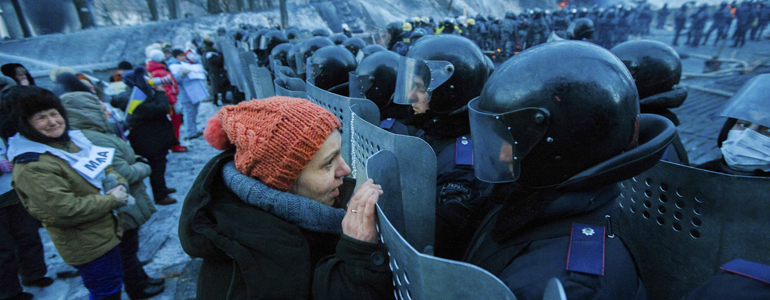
<point>268,214</point>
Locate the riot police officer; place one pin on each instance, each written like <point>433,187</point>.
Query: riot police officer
<point>375,79</point>
<point>657,69</point>
<point>306,50</point>
<point>329,67</point>
<point>557,144</point>
<point>698,24</point>
<point>721,23</point>
<point>679,20</point>
<point>437,78</point>
<point>745,136</point>
<point>538,29</point>
<point>662,15</point>
<point>509,30</point>
<point>581,29</point>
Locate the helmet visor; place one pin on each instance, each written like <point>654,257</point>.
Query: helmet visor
<point>750,102</point>
<point>497,150</point>
<point>417,79</point>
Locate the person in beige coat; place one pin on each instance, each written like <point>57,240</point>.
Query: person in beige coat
<point>87,114</point>
<point>59,176</point>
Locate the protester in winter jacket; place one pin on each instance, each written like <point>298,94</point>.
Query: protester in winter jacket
<point>191,79</point>
<point>160,73</point>
<point>18,72</point>
<point>151,133</point>
<point>21,251</point>
<point>60,178</point>
<point>265,215</point>
<point>86,113</point>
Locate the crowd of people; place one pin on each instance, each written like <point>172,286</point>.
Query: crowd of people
<point>605,26</point>
<point>276,216</point>
<point>75,158</point>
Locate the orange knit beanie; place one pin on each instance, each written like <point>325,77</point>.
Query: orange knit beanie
<point>275,138</point>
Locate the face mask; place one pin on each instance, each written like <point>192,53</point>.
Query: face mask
<point>747,150</point>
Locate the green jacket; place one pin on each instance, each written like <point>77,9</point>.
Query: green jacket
<point>78,218</point>
<point>85,114</point>
<point>250,254</point>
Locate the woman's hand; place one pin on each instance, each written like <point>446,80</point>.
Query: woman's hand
<point>359,219</point>
<point>120,193</point>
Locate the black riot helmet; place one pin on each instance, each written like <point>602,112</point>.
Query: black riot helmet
<point>292,33</point>
<point>543,127</point>
<point>354,45</point>
<point>446,70</point>
<point>320,32</point>
<point>307,48</point>
<point>394,29</point>
<point>417,34</point>
<point>280,53</point>
<point>330,67</point>
<point>655,66</point>
<point>580,29</point>
<point>371,49</point>
<point>375,77</point>
<point>338,38</point>
<point>270,39</point>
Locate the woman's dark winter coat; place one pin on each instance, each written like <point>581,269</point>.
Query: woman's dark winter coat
<point>151,133</point>
<point>249,253</point>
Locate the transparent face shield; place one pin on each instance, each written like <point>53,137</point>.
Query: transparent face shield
<point>497,154</point>
<point>750,103</point>
<point>417,79</point>
<point>359,84</point>
<point>303,62</point>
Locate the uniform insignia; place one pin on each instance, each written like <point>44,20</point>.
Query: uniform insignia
<point>464,151</point>
<point>586,249</point>
<point>387,123</point>
<point>748,269</point>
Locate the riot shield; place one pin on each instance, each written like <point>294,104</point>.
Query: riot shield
<point>417,275</point>
<point>284,72</point>
<point>262,81</point>
<point>417,183</point>
<point>229,54</point>
<point>290,87</point>
<point>682,223</point>
<point>247,59</point>
<point>359,84</point>
<point>340,107</point>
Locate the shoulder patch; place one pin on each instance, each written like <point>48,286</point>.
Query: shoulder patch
<point>27,157</point>
<point>748,269</point>
<point>387,123</point>
<point>464,151</point>
<point>586,249</point>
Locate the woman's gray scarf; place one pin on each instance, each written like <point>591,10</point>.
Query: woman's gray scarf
<point>298,210</point>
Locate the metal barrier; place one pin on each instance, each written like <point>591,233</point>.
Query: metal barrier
<point>682,223</point>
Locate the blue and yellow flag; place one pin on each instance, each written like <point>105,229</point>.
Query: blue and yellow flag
<point>137,97</point>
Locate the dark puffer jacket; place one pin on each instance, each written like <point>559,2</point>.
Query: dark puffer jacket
<point>249,253</point>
